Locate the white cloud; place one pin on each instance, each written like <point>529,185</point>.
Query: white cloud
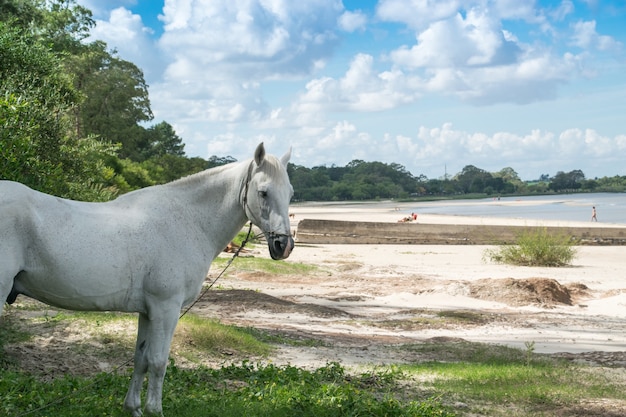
<point>258,39</point>
<point>563,10</point>
<point>475,40</point>
<point>470,57</point>
<point>339,134</point>
<point>352,21</point>
<point>586,37</point>
<point>360,89</point>
<point>476,60</point>
<point>101,8</point>
<point>417,13</point>
<point>220,52</point>
<point>516,10</point>
<point>530,154</point>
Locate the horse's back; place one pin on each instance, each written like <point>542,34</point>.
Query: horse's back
<point>13,192</point>
<point>93,256</point>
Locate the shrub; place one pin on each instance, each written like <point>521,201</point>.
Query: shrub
<point>535,247</point>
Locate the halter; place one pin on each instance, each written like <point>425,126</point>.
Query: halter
<point>246,207</point>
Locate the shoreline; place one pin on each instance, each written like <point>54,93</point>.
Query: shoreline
<point>391,212</point>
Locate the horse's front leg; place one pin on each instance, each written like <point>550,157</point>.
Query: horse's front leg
<point>132,403</point>
<point>159,340</point>
<point>154,338</point>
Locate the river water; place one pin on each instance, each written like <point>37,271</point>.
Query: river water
<point>611,207</point>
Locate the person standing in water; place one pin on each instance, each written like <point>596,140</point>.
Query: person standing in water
<point>594,215</point>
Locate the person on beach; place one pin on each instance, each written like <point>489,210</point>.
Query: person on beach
<point>408,219</point>
<point>594,215</point>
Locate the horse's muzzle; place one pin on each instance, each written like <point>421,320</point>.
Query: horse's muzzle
<point>280,246</point>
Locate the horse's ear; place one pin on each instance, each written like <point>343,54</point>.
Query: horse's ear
<point>285,158</point>
<point>259,154</point>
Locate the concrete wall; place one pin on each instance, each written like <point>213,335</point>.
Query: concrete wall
<point>348,232</point>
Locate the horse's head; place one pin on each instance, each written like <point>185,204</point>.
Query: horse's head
<point>266,197</point>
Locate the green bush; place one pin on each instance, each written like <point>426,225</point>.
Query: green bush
<point>535,247</point>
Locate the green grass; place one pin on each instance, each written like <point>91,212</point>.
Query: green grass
<point>210,335</point>
<point>263,265</point>
<point>241,236</point>
<point>502,381</point>
<point>485,379</point>
<point>245,389</point>
<point>535,247</point>
<point>236,390</point>
<point>10,333</point>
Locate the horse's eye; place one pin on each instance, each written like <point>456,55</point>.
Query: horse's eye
<point>263,194</point>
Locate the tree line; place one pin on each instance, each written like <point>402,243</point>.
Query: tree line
<point>360,180</point>
<point>73,119</point>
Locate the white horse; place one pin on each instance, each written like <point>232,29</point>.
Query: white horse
<point>148,251</point>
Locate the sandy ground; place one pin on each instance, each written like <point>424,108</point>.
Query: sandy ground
<point>383,295</point>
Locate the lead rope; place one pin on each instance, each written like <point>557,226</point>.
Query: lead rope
<point>121,366</point>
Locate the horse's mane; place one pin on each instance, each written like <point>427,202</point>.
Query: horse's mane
<point>272,166</point>
<point>202,175</point>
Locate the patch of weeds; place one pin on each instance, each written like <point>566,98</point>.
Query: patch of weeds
<point>236,390</point>
<point>535,247</point>
<point>98,319</point>
<point>422,319</point>
<point>502,381</point>
<point>10,333</point>
<point>409,323</point>
<point>208,335</point>
<point>268,390</point>
<point>264,265</point>
<point>462,316</point>
<point>530,350</point>
<point>464,351</point>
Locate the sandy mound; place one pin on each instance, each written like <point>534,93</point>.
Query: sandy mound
<point>545,292</point>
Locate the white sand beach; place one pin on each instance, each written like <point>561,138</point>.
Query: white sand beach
<point>396,280</point>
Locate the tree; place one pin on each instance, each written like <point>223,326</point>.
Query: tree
<point>216,161</point>
<point>36,146</point>
<point>508,174</point>
<point>162,140</point>
<point>34,93</point>
<point>472,179</point>
<point>116,99</point>
<point>62,24</point>
<point>570,181</point>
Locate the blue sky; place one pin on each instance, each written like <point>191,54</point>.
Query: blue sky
<point>432,85</point>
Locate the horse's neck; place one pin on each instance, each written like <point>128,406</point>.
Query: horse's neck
<point>214,198</point>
